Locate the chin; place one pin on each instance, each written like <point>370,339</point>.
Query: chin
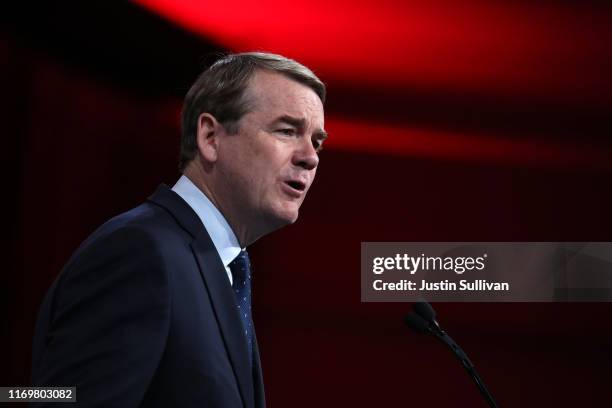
<point>288,219</point>
<point>279,214</point>
<point>286,216</point>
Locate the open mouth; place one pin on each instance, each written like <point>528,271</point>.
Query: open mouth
<point>297,185</point>
<point>295,188</point>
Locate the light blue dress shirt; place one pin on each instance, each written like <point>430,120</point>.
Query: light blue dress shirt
<point>216,225</point>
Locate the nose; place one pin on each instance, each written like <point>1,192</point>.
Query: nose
<point>305,155</point>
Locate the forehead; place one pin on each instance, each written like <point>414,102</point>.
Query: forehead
<point>275,94</point>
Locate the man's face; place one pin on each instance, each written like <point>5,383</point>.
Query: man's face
<point>267,168</point>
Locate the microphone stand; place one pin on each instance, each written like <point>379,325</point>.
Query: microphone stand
<point>423,320</point>
<point>441,335</point>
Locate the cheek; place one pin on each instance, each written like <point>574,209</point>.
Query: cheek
<point>261,164</point>
<point>260,175</point>
<point>268,161</point>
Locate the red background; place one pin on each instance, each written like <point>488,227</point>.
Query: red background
<point>448,121</point>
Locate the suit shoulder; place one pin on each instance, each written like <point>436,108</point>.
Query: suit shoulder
<point>146,224</point>
<point>146,232</point>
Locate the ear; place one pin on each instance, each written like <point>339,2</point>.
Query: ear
<point>207,137</point>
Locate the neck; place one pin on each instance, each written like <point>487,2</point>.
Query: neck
<point>202,181</point>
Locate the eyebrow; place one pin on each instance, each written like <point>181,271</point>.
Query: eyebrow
<point>300,123</point>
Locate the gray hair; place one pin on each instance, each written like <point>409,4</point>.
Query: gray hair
<point>219,91</point>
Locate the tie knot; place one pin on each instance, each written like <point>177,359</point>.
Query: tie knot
<point>241,266</point>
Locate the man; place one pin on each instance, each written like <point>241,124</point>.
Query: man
<point>154,308</point>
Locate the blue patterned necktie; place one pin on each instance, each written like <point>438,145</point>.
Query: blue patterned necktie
<point>241,277</point>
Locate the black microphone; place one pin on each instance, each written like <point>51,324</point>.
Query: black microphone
<point>423,320</point>
<point>425,310</point>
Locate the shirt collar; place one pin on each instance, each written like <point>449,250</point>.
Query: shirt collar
<point>216,225</point>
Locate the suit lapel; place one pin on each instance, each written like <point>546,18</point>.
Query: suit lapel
<point>219,289</point>
<point>224,305</point>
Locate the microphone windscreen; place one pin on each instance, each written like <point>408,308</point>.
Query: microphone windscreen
<point>416,322</point>
<point>425,310</point>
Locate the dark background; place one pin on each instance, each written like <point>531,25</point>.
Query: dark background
<point>90,103</point>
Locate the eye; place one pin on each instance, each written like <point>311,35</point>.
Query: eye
<point>287,131</point>
<point>318,145</point>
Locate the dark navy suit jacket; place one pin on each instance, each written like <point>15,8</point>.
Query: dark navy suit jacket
<point>143,315</point>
